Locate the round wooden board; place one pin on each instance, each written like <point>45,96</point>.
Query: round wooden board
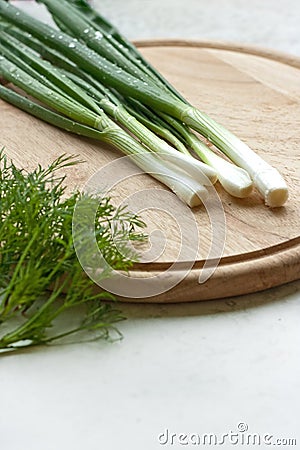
<point>254,93</point>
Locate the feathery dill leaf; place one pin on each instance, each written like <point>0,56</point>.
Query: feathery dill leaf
<point>40,275</point>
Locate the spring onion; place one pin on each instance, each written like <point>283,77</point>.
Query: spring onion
<point>94,47</point>
<point>266,178</point>
<point>99,127</point>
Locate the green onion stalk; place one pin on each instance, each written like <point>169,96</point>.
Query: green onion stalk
<point>101,53</point>
<point>26,59</point>
<point>61,82</point>
<point>94,123</point>
<point>266,178</point>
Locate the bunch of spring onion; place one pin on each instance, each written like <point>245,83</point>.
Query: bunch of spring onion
<point>97,84</point>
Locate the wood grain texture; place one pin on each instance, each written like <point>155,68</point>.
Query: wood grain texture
<point>254,93</point>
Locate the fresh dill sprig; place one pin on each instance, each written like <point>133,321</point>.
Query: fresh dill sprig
<point>40,275</point>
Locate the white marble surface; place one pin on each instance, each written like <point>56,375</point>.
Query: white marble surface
<point>269,23</point>
<point>193,368</point>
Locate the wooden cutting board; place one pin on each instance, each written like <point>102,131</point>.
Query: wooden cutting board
<point>254,93</point>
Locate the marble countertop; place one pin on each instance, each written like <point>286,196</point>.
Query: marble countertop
<point>207,367</point>
<point>268,23</point>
